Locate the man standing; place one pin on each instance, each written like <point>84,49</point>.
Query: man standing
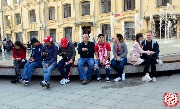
<point>67,51</point>
<point>151,45</point>
<point>102,51</point>
<point>50,52</point>
<point>86,51</point>
<point>34,61</point>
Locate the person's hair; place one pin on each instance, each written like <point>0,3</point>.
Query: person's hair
<point>120,37</point>
<point>138,35</point>
<point>18,43</point>
<point>100,35</point>
<point>149,31</point>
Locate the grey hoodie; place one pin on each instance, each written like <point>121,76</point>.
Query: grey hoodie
<point>123,50</point>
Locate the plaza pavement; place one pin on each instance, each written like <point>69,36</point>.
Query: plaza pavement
<point>130,94</point>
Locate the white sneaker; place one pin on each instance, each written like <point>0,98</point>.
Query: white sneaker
<point>98,79</point>
<point>154,79</point>
<point>147,78</point>
<point>61,80</point>
<point>117,79</point>
<point>65,81</point>
<point>107,79</point>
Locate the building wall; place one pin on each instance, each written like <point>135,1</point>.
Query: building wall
<point>143,8</point>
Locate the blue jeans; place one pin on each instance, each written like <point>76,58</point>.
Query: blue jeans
<point>28,69</point>
<point>48,71</point>
<point>119,65</point>
<point>81,62</point>
<point>61,65</point>
<point>108,69</point>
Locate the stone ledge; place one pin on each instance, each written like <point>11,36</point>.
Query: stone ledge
<point>128,69</point>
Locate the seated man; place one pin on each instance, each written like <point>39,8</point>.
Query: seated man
<point>151,45</point>
<point>67,51</point>
<point>34,61</point>
<point>102,51</point>
<point>86,51</point>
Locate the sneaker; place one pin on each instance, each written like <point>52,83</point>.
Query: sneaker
<point>15,81</point>
<point>64,81</point>
<point>85,81</point>
<point>47,85</point>
<point>146,78</point>
<point>25,82</point>
<point>61,81</point>
<point>107,79</point>
<point>117,79</point>
<point>98,79</point>
<point>43,83</point>
<point>154,79</point>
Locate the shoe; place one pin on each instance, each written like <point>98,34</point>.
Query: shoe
<point>107,79</point>
<point>64,81</point>
<point>98,79</point>
<point>43,83</point>
<point>117,79</point>
<point>153,79</point>
<point>146,78</point>
<point>85,81</point>
<point>47,85</point>
<point>15,81</point>
<point>24,81</point>
<point>61,81</point>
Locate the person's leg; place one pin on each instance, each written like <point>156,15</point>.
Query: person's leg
<point>90,62</point>
<point>108,69</point>
<point>81,62</point>
<point>121,66</point>
<point>44,69</point>
<point>25,72</point>
<point>147,65</point>
<point>30,69</point>
<point>153,69</point>
<point>60,66</point>
<point>96,69</point>
<point>68,70</point>
<point>49,70</point>
<point>114,64</point>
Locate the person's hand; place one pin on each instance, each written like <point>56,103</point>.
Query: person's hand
<point>18,58</point>
<point>118,58</point>
<point>84,49</point>
<point>95,66</point>
<point>47,65</point>
<point>44,53</point>
<point>70,61</point>
<point>97,58</point>
<point>148,52</point>
<point>104,62</point>
<point>64,52</point>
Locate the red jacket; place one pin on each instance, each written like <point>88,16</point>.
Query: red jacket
<point>19,53</point>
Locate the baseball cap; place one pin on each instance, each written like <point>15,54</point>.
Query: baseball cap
<point>48,39</point>
<point>64,42</point>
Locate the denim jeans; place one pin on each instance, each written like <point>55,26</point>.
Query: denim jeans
<point>61,65</point>
<point>119,65</point>
<point>108,69</point>
<point>48,71</point>
<point>28,69</point>
<point>81,62</point>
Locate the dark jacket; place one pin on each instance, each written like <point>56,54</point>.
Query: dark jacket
<point>37,53</point>
<point>68,52</point>
<point>51,53</point>
<point>155,48</point>
<point>86,54</point>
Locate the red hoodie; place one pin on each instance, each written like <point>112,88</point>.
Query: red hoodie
<point>19,53</point>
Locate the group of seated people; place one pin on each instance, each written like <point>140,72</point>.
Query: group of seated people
<point>143,52</point>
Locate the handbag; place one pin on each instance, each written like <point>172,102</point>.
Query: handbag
<point>134,58</point>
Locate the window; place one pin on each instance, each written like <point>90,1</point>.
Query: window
<point>129,30</point>
<point>32,16</point>
<point>67,10</point>
<point>106,6</point>
<point>7,20</point>
<point>163,2</point>
<point>129,4</point>
<point>53,34</point>
<point>68,33</point>
<point>34,34</point>
<point>19,37</point>
<point>18,19</point>
<point>85,8</point>
<point>106,30</point>
<point>51,13</point>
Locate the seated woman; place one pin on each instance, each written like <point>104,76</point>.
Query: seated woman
<point>120,56</point>
<point>137,50</point>
<point>19,59</point>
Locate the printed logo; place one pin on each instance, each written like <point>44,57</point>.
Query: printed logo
<point>171,99</point>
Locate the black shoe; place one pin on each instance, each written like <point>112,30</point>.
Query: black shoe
<point>85,81</point>
<point>15,81</point>
<point>43,83</point>
<point>47,85</point>
<point>98,79</point>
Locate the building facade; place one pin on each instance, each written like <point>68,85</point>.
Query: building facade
<point>24,19</point>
